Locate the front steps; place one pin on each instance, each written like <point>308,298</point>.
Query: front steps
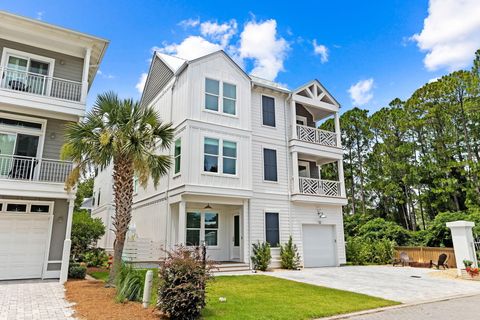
<point>230,267</point>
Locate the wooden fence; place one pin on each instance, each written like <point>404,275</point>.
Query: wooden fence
<point>425,254</point>
<point>142,250</point>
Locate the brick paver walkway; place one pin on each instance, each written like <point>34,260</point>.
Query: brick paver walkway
<point>33,300</point>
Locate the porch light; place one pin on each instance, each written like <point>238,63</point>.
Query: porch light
<point>321,215</point>
<point>208,206</point>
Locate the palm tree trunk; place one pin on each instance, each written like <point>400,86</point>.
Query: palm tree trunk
<point>123,194</point>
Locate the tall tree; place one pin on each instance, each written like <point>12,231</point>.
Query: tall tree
<point>129,135</point>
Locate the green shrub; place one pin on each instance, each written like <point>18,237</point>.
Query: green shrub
<point>261,256</point>
<point>182,282</point>
<point>95,257</point>
<point>129,284</point>
<point>86,231</point>
<point>362,251</point>
<point>290,258</point>
<point>77,271</point>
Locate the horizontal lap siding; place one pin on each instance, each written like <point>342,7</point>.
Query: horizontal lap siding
<point>66,67</point>
<point>54,138</point>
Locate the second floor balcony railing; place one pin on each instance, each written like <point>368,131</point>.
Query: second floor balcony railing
<point>14,167</point>
<point>318,136</point>
<point>318,187</point>
<point>39,84</point>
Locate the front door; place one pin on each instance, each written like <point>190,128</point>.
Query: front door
<point>235,247</point>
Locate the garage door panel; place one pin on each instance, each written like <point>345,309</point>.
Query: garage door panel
<point>23,241</point>
<point>319,248</point>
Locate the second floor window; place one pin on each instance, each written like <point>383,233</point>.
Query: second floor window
<point>270,165</point>
<point>177,154</point>
<point>268,111</point>
<point>220,96</point>
<point>211,150</point>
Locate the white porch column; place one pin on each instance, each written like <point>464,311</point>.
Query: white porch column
<point>337,129</point>
<point>341,178</point>
<point>86,69</point>
<point>296,181</point>
<point>182,223</point>
<point>462,237</point>
<point>293,115</point>
<point>245,241</point>
<point>67,244</point>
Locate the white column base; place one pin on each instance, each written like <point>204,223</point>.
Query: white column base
<point>67,244</point>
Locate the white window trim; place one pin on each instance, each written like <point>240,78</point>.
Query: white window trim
<point>16,129</point>
<point>274,109</point>
<point>202,226</point>
<point>220,157</point>
<point>29,204</point>
<point>307,165</point>
<point>220,98</point>
<point>263,164</point>
<point>303,119</point>
<point>176,174</point>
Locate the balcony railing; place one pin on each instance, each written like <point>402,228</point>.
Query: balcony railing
<point>34,169</point>
<point>318,187</point>
<point>39,84</point>
<point>318,136</point>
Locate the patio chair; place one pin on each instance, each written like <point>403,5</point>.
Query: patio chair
<point>442,261</point>
<point>404,260</point>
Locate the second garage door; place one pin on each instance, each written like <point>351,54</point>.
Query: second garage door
<point>23,239</point>
<point>319,249</point>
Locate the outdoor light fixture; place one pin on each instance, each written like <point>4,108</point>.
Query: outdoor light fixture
<point>321,215</point>
<point>208,206</point>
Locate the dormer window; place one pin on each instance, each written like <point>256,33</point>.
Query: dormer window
<point>220,96</point>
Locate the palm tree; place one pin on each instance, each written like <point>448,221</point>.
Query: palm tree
<point>131,136</point>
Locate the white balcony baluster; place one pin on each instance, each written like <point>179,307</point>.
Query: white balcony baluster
<point>319,187</point>
<point>34,169</point>
<point>39,84</point>
<point>318,136</point>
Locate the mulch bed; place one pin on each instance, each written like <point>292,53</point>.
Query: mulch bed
<point>93,301</point>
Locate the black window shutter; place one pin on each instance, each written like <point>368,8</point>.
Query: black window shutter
<point>270,164</point>
<point>272,230</point>
<point>268,111</point>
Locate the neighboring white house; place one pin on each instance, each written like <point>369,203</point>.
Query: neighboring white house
<point>247,164</point>
<point>46,73</point>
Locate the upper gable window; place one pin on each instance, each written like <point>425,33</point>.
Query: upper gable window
<point>214,90</point>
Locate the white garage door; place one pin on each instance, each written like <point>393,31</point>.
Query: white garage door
<point>23,241</point>
<point>319,246</point>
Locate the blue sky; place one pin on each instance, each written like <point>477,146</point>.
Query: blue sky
<point>366,55</point>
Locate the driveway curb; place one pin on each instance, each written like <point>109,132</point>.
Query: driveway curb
<point>400,306</point>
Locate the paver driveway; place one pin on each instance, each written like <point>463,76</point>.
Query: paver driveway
<point>34,299</point>
<point>405,285</point>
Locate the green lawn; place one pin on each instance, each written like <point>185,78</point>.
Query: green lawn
<point>99,275</point>
<point>264,297</point>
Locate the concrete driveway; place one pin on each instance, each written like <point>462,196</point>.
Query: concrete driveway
<point>34,299</point>
<point>406,285</point>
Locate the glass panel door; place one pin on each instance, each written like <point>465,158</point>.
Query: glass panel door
<point>38,72</point>
<point>7,147</point>
<point>24,161</point>
<point>16,74</point>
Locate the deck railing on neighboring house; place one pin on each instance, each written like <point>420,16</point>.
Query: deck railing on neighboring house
<point>34,169</point>
<point>39,84</point>
<point>318,187</point>
<point>318,136</point>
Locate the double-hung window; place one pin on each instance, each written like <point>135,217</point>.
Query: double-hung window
<point>268,111</point>
<point>220,96</point>
<point>212,148</point>
<point>270,165</point>
<point>202,226</point>
<point>177,154</point>
<point>272,230</point>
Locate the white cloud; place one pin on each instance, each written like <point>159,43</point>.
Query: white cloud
<point>451,33</point>
<point>222,32</point>
<point>190,48</point>
<point>434,79</point>
<point>189,23</point>
<point>259,42</point>
<point>40,15</point>
<point>141,82</point>
<point>105,76</point>
<point>320,50</point>
<point>361,92</point>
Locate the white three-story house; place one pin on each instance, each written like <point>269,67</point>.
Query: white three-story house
<point>247,165</point>
<point>46,72</point>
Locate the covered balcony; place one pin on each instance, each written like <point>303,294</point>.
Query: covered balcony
<point>317,179</point>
